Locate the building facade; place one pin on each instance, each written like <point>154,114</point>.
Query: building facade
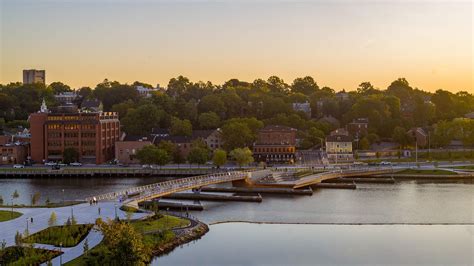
<point>93,135</point>
<point>126,150</point>
<point>303,107</point>
<point>31,76</point>
<point>275,144</point>
<point>339,146</point>
<point>358,128</point>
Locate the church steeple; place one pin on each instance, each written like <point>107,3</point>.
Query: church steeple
<point>44,108</point>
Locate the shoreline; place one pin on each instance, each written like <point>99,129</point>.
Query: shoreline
<point>324,223</point>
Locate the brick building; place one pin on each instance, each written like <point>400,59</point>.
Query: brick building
<point>93,135</point>
<point>13,153</point>
<point>126,150</point>
<point>275,144</point>
<point>358,128</point>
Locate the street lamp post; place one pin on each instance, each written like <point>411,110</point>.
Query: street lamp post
<point>27,231</point>
<point>63,196</point>
<point>115,205</point>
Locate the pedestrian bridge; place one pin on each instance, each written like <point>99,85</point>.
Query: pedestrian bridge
<point>132,196</point>
<point>320,177</point>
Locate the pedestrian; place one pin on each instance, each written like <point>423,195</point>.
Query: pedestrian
<point>31,219</point>
<point>99,210</point>
<point>90,202</point>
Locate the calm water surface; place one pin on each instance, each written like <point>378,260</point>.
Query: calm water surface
<point>290,244</point>
<point>325,239</point>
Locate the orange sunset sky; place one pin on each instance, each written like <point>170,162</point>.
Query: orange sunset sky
<point>339,43</point>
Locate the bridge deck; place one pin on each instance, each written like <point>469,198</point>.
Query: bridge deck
<point>160,189</point>
<point>320,177</point>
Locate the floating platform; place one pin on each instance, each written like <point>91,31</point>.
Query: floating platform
<point>174,205</point>
<point>290,191</point>
<point>213,197</point>
<point>335,185</point>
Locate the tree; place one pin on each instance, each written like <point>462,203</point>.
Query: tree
<point>236,134</point>
<point>242,156</point>
<point>305,85</point>
<point>70,155</point>
<point>400,136</point>
<point>212,103</point>
<point>150,154</point>
<point>198,155</point>
<point>35,198</point>
<point>59,87</point>
<point>124,243</point>
<point>219,158</point>
<point>364,144</point>
<point>52,219</point>
<point>1,200</point>
<point>180,127</point>
<point>15,194</point>
<point>142,120</point>
<point>209,120</point>
<point>18,239</point>
<point>85,247</point>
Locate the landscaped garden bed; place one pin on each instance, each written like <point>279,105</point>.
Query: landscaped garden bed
<point>68,235</point>
<point>26,256</point>
<point>9,215</point>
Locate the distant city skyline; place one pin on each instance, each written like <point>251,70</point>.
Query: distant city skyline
<point>339,43</point>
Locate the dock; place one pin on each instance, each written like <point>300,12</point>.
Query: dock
<point>261,190</point>
<point>213,197</point>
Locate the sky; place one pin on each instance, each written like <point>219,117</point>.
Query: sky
<point>339,43</point>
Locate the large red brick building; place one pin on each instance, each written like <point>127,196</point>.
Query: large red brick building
<point>93,135</point>
<point>275,144</point>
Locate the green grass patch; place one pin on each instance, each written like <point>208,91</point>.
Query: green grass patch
<point>426,172</point>
<point>9,215</point>
<point>26,256</point>
<point>465,167</point>
<point>68,235</point>
<point>155,231</point>
<point>49,205</point>
<point>159,223</point>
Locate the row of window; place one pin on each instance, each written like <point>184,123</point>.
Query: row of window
<point>274,149</point>
<point>53,135</point>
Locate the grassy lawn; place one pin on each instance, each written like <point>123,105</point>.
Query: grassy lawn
<point>467,167</point>
<point>426,172</point>
<point>68,235</point>
<point>160,226</point>
<point>164,223</point>
<point>26,256</point>
<point>8,215</point>
<point>49,205</point>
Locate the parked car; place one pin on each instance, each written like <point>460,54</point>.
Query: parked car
<point>146,166</point>
<point>18,166</point>
<point>50,164</point>
<point>385,163</point>
<point>75,164</point>
<point>62,164</point>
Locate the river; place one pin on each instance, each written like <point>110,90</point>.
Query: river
<point>311,230</point>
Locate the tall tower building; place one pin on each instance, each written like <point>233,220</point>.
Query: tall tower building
<point>31,76</point>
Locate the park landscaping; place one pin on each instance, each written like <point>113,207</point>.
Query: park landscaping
<point>67,235</point>
<point>135,242</point>
<point>17,255</point>
<point>9,215</point>
<point>426,172</point>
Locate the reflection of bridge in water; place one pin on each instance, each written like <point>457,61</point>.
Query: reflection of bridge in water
<point>133,196</point>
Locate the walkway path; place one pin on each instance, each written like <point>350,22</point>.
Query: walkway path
<point>84,213</point>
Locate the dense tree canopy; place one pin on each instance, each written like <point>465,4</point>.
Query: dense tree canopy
<point>241,108</point>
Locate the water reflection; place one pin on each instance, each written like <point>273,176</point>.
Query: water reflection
<point>290,244</point>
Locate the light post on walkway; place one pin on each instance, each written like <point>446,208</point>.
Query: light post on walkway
<point>27,231</point>
<point>115,205</point>
<point>63,196</point>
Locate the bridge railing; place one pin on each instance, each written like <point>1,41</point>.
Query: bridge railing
<point>193,181</point>
<point>169,187</point>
